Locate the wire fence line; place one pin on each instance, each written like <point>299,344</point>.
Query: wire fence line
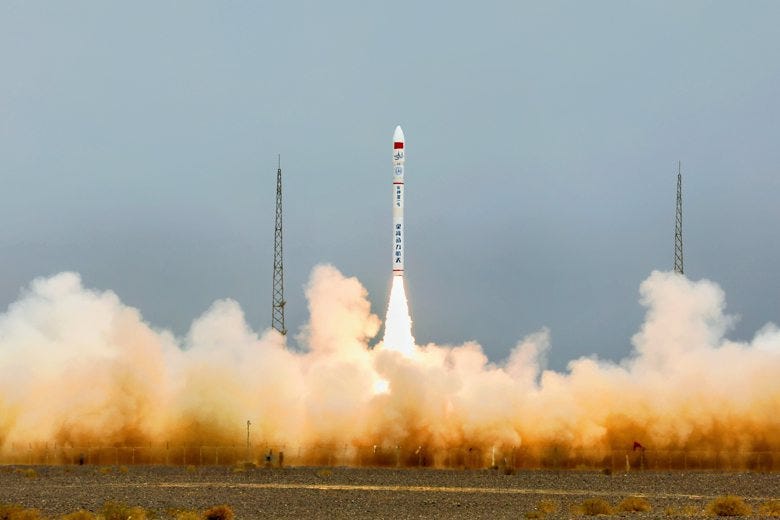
<point>277,455</point>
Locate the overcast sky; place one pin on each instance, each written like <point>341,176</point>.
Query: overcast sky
<point>138,146</point>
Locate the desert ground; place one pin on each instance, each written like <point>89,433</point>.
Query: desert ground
<point>316,492</point>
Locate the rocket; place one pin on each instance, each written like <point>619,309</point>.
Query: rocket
<point>398,201</point>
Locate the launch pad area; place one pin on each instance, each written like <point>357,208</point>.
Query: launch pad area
<point>467,457</point>
<point>316,492</point>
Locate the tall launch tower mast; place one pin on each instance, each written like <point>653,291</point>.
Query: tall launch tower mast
<point>277,313</point>
<point>678,241</point>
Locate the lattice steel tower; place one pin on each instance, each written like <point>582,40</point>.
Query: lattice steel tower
<point>277,313</point>
<point>678,242</point>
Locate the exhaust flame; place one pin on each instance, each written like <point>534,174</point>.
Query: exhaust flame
<point>398,323</point>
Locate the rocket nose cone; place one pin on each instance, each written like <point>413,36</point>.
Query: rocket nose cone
<point>398,135</point>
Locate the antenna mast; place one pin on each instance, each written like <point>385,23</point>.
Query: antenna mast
<point>678,241</point>
<point>277,314</point>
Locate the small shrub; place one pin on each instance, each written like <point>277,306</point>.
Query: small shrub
<point>324,473</point>
<point>547,506</point>
<point>137,513</point>
<point>606,471</point>
<point>81,514</point>
<point>17,512</point>
<point>27,514</point>
<point>105,470</point>
<point>123,469</point>
<point>221,512</point>
<point>191,469</point>
<point>771,508</point>
<point>7,511</point>
<point>542,509</point>
<point>119,511</point>
<point>29,472</point>
<point>729,505</point>
<point>594,506</point>
<point>241,467</point>
<point>631,504</point>
<point>114,511</point>
<point>509,470</point>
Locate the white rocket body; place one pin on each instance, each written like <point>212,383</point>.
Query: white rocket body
<point>399,231</point>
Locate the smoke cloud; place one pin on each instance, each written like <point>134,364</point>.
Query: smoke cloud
<point>78,368</point>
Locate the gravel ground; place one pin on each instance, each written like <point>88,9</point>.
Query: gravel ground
<point>366,492</point>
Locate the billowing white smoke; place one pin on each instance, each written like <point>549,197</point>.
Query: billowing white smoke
<point>77,367</point>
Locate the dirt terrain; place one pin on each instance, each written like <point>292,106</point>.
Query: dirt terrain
<point>367,492</point>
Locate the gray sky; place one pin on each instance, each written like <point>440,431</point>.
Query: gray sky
<point>138,147</point>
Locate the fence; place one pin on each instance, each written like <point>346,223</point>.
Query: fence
<point>518,457</point>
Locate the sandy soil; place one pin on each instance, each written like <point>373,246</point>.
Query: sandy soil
<point>366,492</point>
